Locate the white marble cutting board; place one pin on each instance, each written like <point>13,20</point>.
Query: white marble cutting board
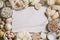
<point>29,20</point>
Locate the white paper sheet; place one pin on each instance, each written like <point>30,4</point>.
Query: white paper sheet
<point>29,20</point>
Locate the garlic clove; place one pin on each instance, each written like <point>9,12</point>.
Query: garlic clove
<point>43,35</point>
<point>38,6</point>
<point>56,15</point>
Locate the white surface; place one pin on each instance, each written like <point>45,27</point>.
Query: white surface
<point>29,20</point>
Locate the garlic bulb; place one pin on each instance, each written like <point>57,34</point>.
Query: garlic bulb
<point>9,20</point>
<point>8,26</point>
<point>6,12</point>
<point>1,3</point>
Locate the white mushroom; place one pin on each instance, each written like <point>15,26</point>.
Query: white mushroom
<point>51,36</point>
<point>8,27</point>
<point>6,12</point>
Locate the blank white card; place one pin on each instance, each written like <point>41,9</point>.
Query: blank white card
<point>29,20</point>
